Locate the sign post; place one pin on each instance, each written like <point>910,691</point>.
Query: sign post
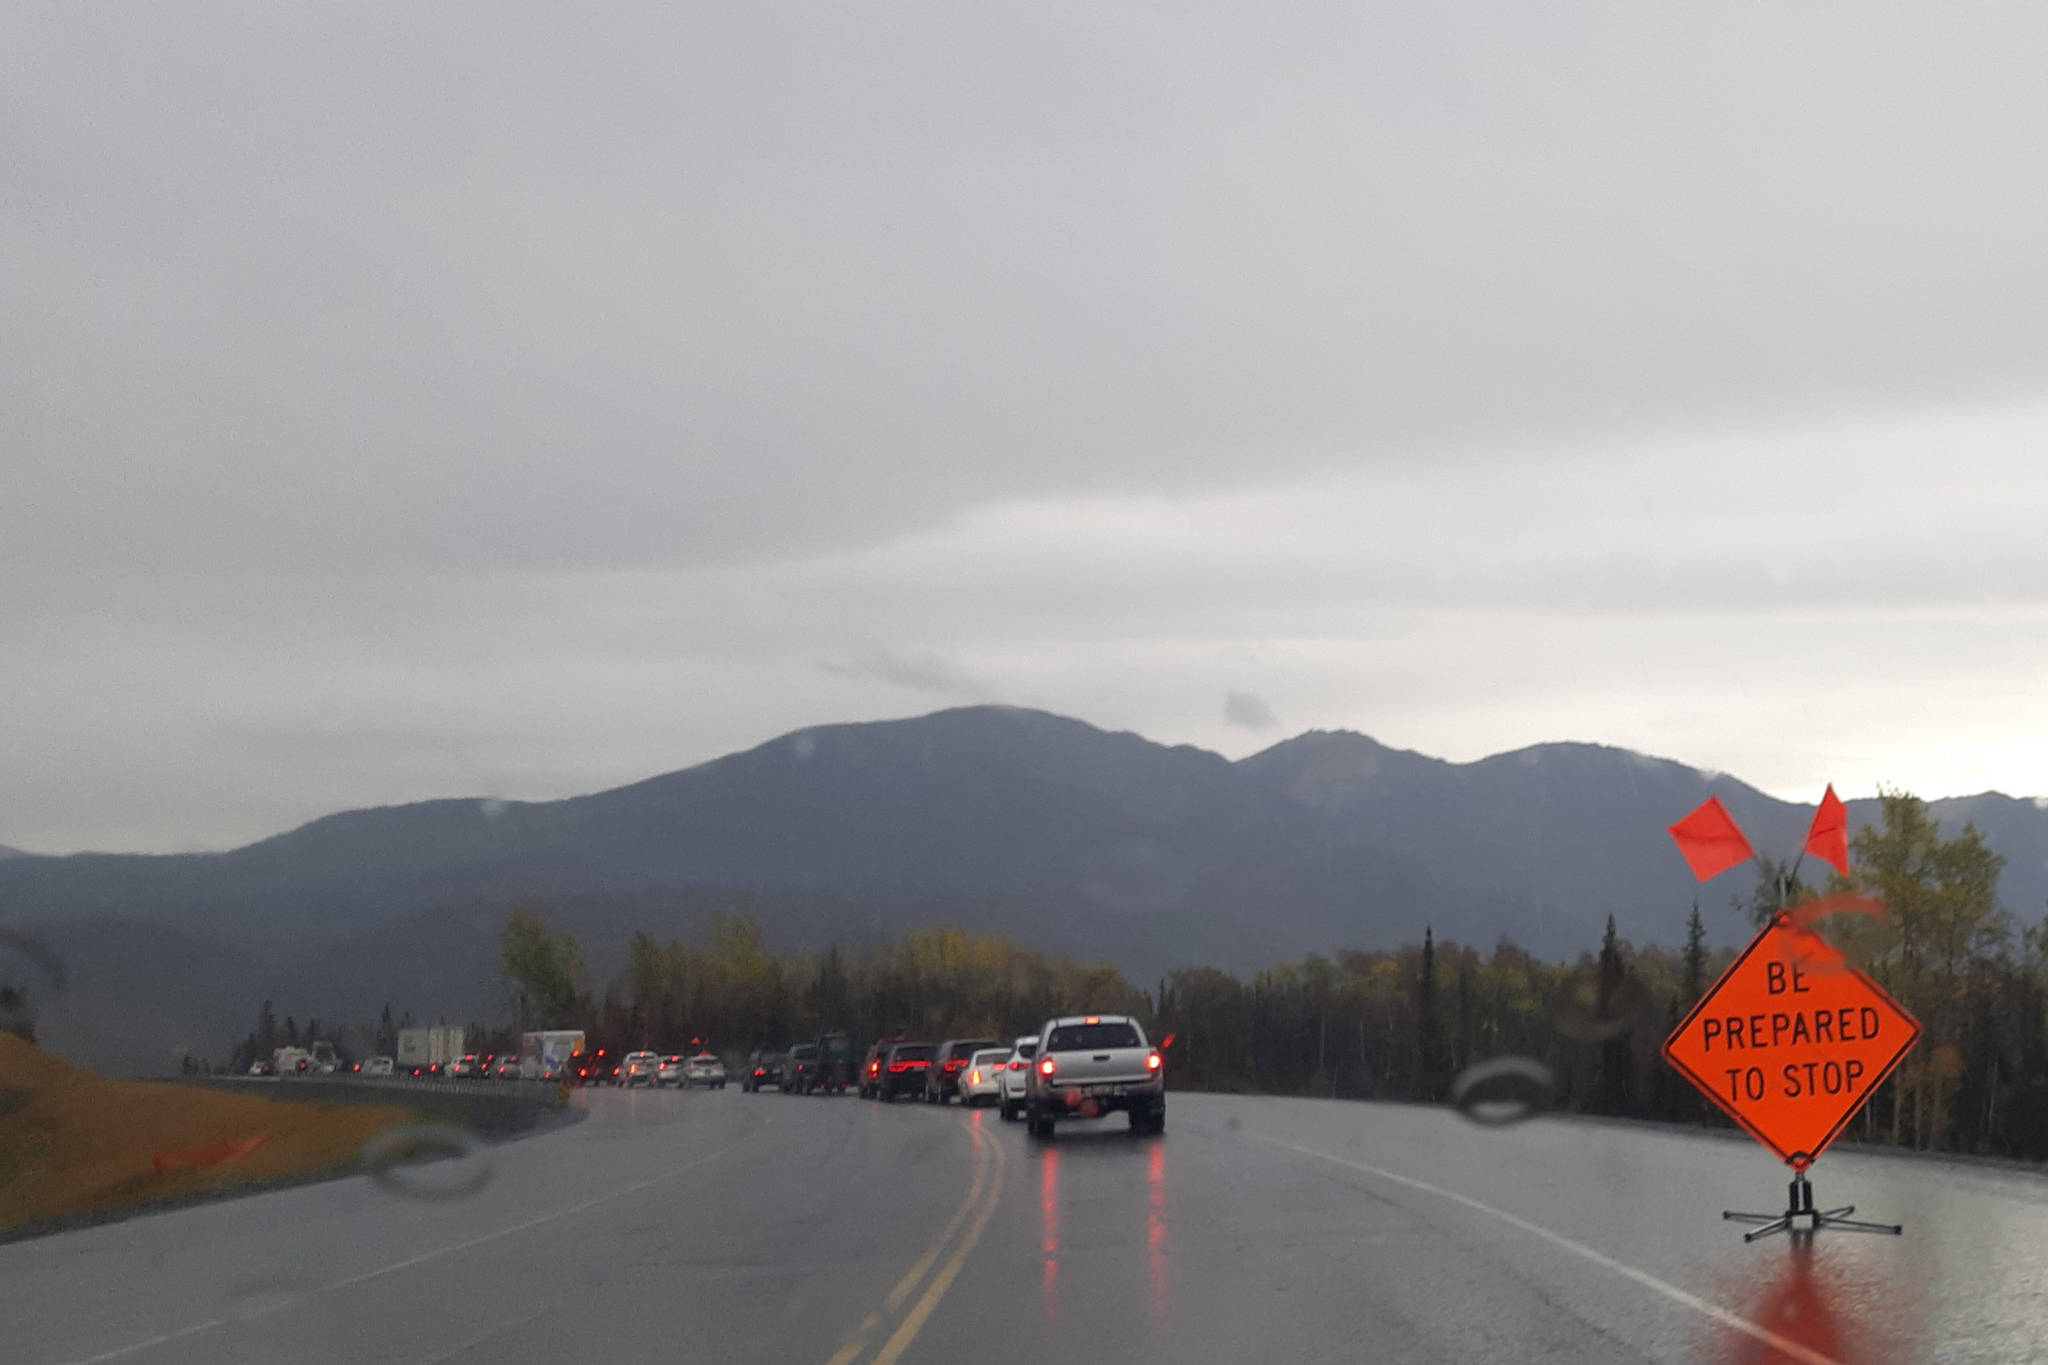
<point>1790,1043</point>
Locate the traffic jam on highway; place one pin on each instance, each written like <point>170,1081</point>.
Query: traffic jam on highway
<point>1082,1066</point>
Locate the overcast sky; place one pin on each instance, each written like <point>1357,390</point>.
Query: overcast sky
<point>404,401</point>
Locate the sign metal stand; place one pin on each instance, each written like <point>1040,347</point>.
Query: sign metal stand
<point>1798,1205</point>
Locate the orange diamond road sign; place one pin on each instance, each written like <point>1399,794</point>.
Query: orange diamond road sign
<point>1791,1041</point>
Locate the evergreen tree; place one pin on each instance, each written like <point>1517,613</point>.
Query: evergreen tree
<point>1428,1027</point>
<point>1695,982</point>
<point>1616,1061</point>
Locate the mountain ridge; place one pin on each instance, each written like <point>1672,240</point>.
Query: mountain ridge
<point>1064,836</point>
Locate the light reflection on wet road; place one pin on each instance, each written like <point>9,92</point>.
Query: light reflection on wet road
<point>728,1227</point>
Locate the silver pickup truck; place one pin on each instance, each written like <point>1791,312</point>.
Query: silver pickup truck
<point>1087,1066</point>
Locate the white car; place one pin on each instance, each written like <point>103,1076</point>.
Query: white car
<point>705,1070</point>
<point>377,1066</point>
<point>670,1072</point>
<point>1019,1061</point>
<point>639,1068</point>
<point>982,1080</point>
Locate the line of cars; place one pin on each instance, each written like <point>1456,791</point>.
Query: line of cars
<point>822,1066</point>
<point>657,1071</point>
<point>1081,1066</point>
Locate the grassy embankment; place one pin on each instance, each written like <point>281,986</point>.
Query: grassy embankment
<point>72,1143</point>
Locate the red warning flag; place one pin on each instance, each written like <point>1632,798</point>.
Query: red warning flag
<point>208,1153</point>
<point>1828,839</point>
<point>1710,840</point>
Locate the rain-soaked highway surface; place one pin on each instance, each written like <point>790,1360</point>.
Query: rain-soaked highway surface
<point>722,1226</point>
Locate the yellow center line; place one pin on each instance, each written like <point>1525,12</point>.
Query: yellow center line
<point>918,1269</point>
<point>908,1283</point>
<point>914,1321</point>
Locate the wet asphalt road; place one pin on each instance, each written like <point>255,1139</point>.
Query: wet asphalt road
<point>720,1226</point>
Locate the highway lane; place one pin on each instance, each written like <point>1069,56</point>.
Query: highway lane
<point>719,1226</point>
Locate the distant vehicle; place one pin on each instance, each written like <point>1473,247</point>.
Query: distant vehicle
<point>705,1070</point>
<point>982,1080</point>
<point>325,1061</point>
<point>902,1070</point>
<point>292,1061</point>
<point>507,1068</point>
<point>467,1067</point>
<point>549,1055</point>
<point>942,1081</point>
<point>800,1069</point>
<point>428,1051</point>
<point>764,1067</point>
<point>376,1066</point>
<point>871,1067</point>
<point>835,1068</point>
<point>1021,1053</point>
<point>638,1068</point>
<point>263,1066</point>
<point>670,1072</point>
<point>1091,1065</point>
<point>595,1069</point>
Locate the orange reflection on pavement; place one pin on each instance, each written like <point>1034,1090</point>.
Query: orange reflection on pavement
<point>1155,1231</point>
<point>1049,1235</point>
<point>1811,1308</point>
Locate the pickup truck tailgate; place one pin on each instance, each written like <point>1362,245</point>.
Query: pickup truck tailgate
<point>1098,1054</point>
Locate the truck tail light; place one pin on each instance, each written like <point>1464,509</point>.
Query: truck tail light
<point>1045,1066</point>
<point>1152,1062</point>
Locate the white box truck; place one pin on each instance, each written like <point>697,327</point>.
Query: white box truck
<point>427,1051</point>
<point>547,1056</point>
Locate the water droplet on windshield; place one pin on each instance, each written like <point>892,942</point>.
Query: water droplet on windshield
<point>427,1161</point>
<point>1503,1090</point>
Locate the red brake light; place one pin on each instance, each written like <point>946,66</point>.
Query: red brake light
<point>1152,1062</point>
<point>1092,1019</point>
<point>1017,1066</point>
<point>974,1078</point>
<point>873,1067</point>
<point>1045,1066</point>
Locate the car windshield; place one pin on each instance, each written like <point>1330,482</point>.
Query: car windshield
<point>1085,1037</point>
<point>1468,580</point>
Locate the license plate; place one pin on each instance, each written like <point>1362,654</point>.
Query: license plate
<point>1103,1090</point>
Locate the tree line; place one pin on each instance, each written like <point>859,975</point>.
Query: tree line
<point>1389,1024</point>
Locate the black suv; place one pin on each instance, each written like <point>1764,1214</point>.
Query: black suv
<point>764,1067</point>
<point>942,1081</point>
<point>901,1070</point>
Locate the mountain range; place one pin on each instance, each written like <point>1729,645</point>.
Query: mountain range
<point>1066,837</point>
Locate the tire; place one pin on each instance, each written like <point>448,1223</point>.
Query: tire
<point>1009,1112</point>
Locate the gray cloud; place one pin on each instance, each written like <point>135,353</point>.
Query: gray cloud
<point>1248,711</point>
<point>394,405</point>
<point>926,672</point>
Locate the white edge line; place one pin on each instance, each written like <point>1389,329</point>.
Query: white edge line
<point>424,1256</point>
<point>1704,1307</point>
